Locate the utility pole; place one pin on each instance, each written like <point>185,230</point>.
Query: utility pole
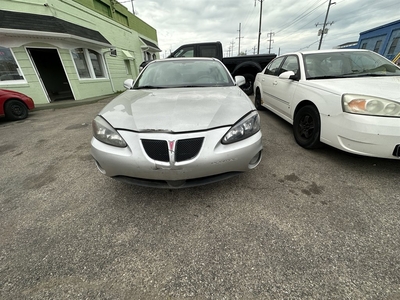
<point>232,43</point>
<point>259,25</point>
<point>323,26</point>
<point>270,34</point>
<point>240,30</point>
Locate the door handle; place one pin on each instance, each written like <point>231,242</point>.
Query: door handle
<point>275,83</point>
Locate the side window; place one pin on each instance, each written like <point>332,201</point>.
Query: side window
<point>291,64</point>
<point>273,67</point>
<point>185,52</point>
<point>208,51</point>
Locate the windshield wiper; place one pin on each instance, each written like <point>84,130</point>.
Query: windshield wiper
<point>326,77</point>
<point>373,75</point>
<point>192,86</point>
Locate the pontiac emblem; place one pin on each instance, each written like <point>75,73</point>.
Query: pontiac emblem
<point>171,146</point>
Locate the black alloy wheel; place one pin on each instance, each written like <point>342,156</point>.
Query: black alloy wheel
<point>307,127</point>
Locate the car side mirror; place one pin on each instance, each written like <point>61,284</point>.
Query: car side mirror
<point>128,84</point>
<point>288,75</point>
<point>240,80</point>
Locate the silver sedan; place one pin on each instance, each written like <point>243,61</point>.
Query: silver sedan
<point>183,122</point>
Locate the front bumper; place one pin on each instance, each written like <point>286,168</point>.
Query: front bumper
<point>214,162</point>
<point>363,135</point>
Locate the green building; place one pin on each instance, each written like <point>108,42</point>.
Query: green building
<point>54,50</point>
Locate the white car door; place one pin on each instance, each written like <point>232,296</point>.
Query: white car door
<point>267,82</point>
<point>283,89</point>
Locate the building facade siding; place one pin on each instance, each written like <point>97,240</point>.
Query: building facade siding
<point>69,52</point>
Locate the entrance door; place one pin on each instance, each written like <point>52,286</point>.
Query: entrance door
<point>51,73</point>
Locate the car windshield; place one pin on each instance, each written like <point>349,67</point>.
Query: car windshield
<point>344,64</point>
<point>183,73</point>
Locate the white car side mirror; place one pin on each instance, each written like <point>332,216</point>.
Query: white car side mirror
<point>240,80</point>
<point>286,75</point>
<point>128,84</point>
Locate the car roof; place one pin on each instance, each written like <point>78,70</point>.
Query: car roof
<point>326,51</point>
<point>157,61</point>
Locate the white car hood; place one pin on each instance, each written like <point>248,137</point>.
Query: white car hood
<point>177,109</point>
<point>384,87</point>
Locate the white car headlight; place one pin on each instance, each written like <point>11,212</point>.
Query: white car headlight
<point>368,105</point>
<point>105,133</point>
<point>246,127</point>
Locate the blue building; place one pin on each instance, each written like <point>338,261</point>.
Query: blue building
<point>383,39</point>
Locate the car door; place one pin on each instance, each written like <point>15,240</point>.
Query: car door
<point>283,90</point>
<point>267,82</point>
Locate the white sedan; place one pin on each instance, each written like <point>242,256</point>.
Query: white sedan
<point>349,99</point>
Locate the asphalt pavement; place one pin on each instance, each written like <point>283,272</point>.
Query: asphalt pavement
<point>319,224</point>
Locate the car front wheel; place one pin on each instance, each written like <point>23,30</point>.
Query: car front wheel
<point>15,110</point>
<point>307,127</point>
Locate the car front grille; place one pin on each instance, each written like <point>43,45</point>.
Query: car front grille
<point>184,149</point>
<point>156,149</point>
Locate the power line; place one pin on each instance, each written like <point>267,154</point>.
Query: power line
<point>300,17</point>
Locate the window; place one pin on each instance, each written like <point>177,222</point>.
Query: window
<point>146,56</point>
<point>128,67</point>
<point>88,63</point>
<point>273,67</point>
<point>393,45</point>
<point>377,46</point>
<point>95,58</point>
<point>102,8</point>
<point>121,18</point>
<point>364,46</point>
<point>9,69</point>
<point>80,63</point>
<point>208,51</point>
<point>290,64</point>
<point>185,52</point>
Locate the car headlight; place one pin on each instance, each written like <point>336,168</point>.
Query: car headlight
<point>246,127</point>
<point>368,105</point>
<point>105,133</point>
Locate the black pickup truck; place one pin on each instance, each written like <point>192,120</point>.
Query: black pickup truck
<point>246,65</point>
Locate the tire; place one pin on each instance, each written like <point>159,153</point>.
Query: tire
<point>307,127</point>
<point>257,100</point>
<point>15,110</point>
<point>249,85</point>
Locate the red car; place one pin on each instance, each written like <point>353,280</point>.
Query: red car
<point>14,105</point>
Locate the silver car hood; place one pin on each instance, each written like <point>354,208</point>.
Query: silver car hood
<point>177,109</point>
<point>385,87</point>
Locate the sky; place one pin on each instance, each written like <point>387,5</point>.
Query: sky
<point>286,25</point>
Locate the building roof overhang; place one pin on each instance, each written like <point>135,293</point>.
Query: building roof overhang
<point>147,45</point>
<point>17,25</point>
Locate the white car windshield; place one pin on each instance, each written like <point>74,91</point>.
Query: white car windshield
<point>341,64</point>
<point>183,73</point>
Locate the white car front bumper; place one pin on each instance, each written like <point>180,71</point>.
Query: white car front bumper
<point>361,134</point>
